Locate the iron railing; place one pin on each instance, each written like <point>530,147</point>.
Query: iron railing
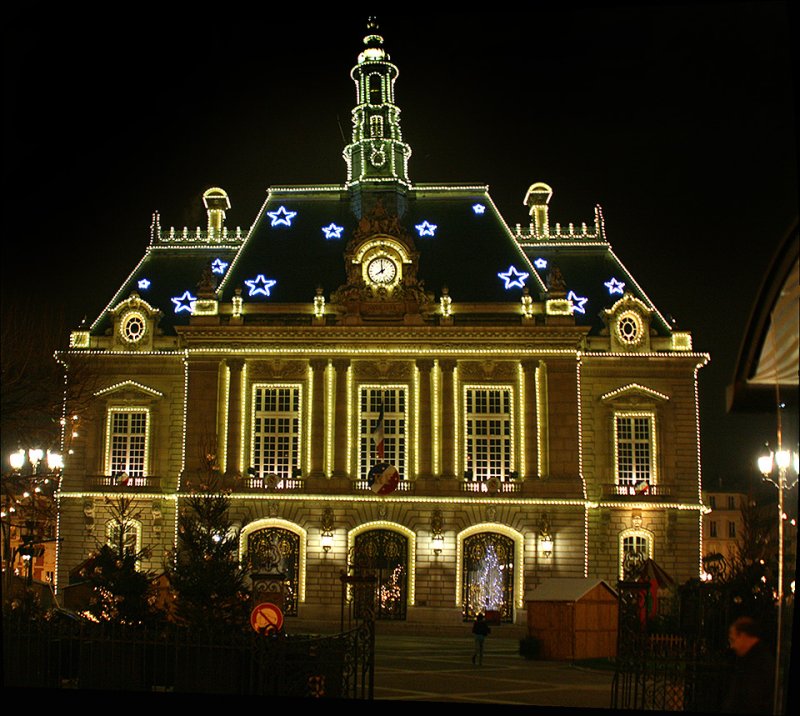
<point>61,654</point>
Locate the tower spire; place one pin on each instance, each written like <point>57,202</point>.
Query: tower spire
<point>377,154</point>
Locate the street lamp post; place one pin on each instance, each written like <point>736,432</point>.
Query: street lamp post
<point>32,473</point>
<point>767,462</point>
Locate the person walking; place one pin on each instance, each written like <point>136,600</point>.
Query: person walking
<point>752,679</point>
<point>480,630</point>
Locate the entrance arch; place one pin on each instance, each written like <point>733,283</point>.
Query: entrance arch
<point>490,569</point>
<point>277,546</point>
<point>386,553</point>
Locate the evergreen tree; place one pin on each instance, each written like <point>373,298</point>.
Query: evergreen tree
<point>121,591</point>
<point>205,572</point>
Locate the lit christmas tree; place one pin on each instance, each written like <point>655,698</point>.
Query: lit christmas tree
<point>490,582</point>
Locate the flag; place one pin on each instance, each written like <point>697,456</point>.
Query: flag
<point>383,478</point>
<point>378,436</point>
<point>641,487</point>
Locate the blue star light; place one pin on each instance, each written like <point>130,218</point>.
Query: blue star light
<point>425,228</point>
<point>219,266</point>
<point>332,231</point>
<point>281,217</point>
<point>540,263</point>
<point>513,278</point>
<point>478,208</point>
<point>260,285</point>
<point>183,303</point>
<point>578,302</point>
<point>144,284</point>
<point>614,286</point>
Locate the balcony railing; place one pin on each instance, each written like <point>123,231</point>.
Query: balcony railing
<point>636,491</point>
<point>271,483</point>
<point>117,483</point>
<point>405,486</point>
<point>491,487</point>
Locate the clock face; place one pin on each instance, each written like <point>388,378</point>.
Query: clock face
<point>382,270</point>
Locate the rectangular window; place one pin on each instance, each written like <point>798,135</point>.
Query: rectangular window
<point>732,530</point>
<point>277,433</point>
<point>488,434</point>
<point>394,401</point>
<point>731,502</point>
<point>127,441</point>
<point>634,438</point>
<point>712,529</point>
<point>712,502</point>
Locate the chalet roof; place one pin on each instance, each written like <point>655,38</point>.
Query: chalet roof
<point>565,589</point>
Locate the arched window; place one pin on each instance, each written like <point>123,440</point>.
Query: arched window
<point>376,126</point>
<point>375,89</point>
<point>488,576</point>
<point>124,535</point>
<point>635,546</point>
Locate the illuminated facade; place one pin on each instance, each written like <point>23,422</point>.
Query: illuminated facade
<point>540,411</point>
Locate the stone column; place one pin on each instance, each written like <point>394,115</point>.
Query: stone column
<point>234,428</point>
<point>340,436</point>
<point>448,428</point>
<point>317,437</point>
<point>424,421</point>
<point>528,413</point>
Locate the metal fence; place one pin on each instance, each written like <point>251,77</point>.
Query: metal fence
<point>82,655</point>
<point>677,664</point>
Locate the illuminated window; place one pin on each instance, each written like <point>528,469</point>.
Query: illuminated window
<point>127,435</point>
<point>394,401</point>
<point>635,546</point>
<point>634,442</point>
<point>488,435</point>
<point>124,537</point>
<point>276,430</point>
<point>376,126</point>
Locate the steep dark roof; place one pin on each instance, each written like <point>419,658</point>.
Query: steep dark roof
<point>470,246</point>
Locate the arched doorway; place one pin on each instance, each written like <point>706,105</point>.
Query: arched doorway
<point>488,576</point>
<point>384,553</point>
<point>274,550</point>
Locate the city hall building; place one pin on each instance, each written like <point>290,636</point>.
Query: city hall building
<point>531,410</point>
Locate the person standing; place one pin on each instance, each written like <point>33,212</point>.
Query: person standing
<point>480,630</point>
<point>753,678</point>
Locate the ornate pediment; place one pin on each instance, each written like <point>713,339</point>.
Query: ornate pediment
<point>135,323</point>
<point>628,324</point>
<point>381,262</point>
<point>634,392</point>
<point>128,388</point>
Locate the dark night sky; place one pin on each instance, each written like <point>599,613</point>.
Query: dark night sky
<point>678,120</point>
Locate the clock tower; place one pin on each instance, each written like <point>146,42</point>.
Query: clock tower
<point>381,262</point>
<point>377,156</point>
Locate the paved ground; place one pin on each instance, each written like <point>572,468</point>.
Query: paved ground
<point>439,669</point>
